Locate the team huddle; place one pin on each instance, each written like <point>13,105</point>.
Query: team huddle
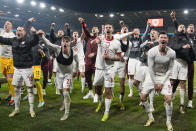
<point>153,66</point>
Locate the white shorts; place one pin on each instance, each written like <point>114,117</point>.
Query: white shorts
<point>143,75</point>
<point>133,66</point>
<point>180,70</point>
<point>63,81</point>
<point>54,65</point>
<point>22,76</point>
<point>104,77</point>
<point>120,70</point>
<point>167,88</point>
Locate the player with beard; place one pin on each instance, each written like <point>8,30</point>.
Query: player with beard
<point>109,50</point>
<point>120,67</point>
<point>56,39</point>
<point>65,55</point>
<point>135,53</point>
<point>160,64</point>
<point>180,43</point>
<point>90,57</point>
<point>22,46</point>
<point>7,67</point>
<point>78,63</point>
<point>142,75</point>
<point>192,39</point>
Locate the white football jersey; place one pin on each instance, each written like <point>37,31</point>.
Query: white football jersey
<point>6,50</point>
<point>107,47</point>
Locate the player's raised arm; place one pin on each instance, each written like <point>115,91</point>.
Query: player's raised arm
<point>144,37</point>
<point>125,35</point>
<point>49,44</point>
<point>52,33</point>
<point>84,28</point>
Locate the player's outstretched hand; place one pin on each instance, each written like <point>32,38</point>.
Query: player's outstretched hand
<point>81,20</point>
<point>53,25</point>
<point>40,32</point>
<point>66,25</point>
<point>32,19</point>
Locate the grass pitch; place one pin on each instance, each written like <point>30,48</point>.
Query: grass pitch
<point>84,118</point>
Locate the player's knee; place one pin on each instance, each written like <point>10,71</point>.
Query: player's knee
<point>82,74</point>
<point>143,98</point>
<point>168,100</point>
<point>183,84</point>
<point>136,83</point>
<point>131,77</point>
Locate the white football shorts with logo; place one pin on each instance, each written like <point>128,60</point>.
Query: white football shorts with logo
<point>133,66</point>
<point>63,80</point>
<point>22,76</point>
<point>180,70</point>
<point>104,77</point>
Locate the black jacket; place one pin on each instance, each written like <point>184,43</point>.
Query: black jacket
<point>179,40</point>
<point>192,40</point>
<point>22,50</point>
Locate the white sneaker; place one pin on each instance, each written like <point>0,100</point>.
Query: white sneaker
<point>169,126</point>
<point>151,108</point>
<point>89,95</point>
<point>65,117</point>
<point>95,100</point>
<point>190,104</point>
<point>41,104</point>
<point>57,91</point>
<point>35,91</point>
<point>130,93</point>
<point>44,92</point>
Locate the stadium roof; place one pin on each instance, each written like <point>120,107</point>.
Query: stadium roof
<point>60,12</point>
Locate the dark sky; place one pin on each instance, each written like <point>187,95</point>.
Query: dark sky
<point>97,6</point>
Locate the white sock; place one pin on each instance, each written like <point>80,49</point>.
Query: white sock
<point>151,97</point>
<point>17,98</point>
<point>49,80</point>
<point>168,109</point>
<point>146,106</point>
<point>107,105</point>
<point>147,109</point>
<point>130,84</point>
<point>31,99</point>
<point>91,92</point>
<point>67,101</point>
<point>182,93</point>
<point>83,82</point>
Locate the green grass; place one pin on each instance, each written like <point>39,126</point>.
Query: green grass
<point>83,116</point>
